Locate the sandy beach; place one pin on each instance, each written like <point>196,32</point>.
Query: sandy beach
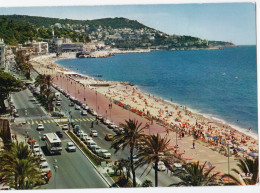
<point>213,139</point>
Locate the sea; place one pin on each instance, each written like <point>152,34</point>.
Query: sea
<point>219,84</point>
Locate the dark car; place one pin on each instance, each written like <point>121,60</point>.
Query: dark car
<point>60,134</point>
<point>57,114</point>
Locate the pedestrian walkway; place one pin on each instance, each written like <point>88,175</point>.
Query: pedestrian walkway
<point>36,122</point>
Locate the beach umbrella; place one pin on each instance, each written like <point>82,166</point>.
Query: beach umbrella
<point>215,137</point>
<point>240,149</point>
<point>252,154</point>
<point>208,135</point>
<point>220,174</point>
<point>180,153</point>
<point>226,179</point>
<point>188,158</point>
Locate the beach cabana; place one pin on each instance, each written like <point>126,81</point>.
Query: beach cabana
<point>180,153</point>
<point>120,104</point>
<point>252,154</point>
<point>188,158</point>
<point>133,110</point>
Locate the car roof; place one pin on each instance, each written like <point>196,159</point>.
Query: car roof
<point>70,143</point>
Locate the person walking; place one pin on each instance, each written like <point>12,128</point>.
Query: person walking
<point>193,144</point>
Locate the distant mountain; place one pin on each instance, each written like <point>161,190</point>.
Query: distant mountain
<point>119,33</point>
<point>114,23</point>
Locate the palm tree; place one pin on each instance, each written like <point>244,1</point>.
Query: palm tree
<point>124,164</point>
<point>48,80</point>
<point>19,169</point>
<point>155,149</point>
<point>195,175</point>
<point>133,132</point>
<point>41,82</point>
<point>249,168</point>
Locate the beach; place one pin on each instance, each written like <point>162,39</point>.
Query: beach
<point>213,139</point>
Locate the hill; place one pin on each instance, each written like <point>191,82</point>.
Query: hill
<point>119,33</point>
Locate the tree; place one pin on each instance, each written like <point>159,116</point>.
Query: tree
<point>18,168</point>
<point>147,183</point>
<point>124,164</point>
<point>133,132</point>
<point>195,175</point>
<point>249,169</point>
<point>155,149</point>
<point>7,84</point>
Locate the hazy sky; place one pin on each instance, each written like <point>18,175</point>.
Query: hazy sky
<point>221,21</point>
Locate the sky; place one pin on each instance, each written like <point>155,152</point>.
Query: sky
<point>212,21</point>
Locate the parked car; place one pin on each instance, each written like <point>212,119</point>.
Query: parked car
<point>77,107</point>
<point>65,127</point>
<point>104,153</point>
<point>76,129</point>
<point>109,137</point>
<point>58,103</point>
<point>96,149</point>
<point>99,117</point>
<point>92,144</point>
<point>60,134</point>
<point>71,147</point>
<point>40,127</point>
<point>93,133</point>
<point>83,136</point>
<point>72,104</point>
<point>57,114</point>
<point>161,166</point>
<point>107,122</point>
<point>84,113</point>
<point>79,132</point>
<point>44,167</point>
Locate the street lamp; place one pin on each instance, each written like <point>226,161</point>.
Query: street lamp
<point>55,166</point>
<point>96,101</point>
<point>40,139</point>
<point>84,92</point>
<point>176,130</point>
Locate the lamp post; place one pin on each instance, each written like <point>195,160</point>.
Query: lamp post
<point>96,100</point>
<point>176,130</point>
<point>40,139</point>
<point>84,92</point>
<point>75,89</point>
<point>110,107</point>
<point>55,166</point>
<point>228,157</point>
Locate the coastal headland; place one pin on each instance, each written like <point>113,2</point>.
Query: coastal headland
<point>195,137</point>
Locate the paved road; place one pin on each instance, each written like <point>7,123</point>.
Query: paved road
<point>74,170</point>
<point>164,178</point>
<point>34,113</point>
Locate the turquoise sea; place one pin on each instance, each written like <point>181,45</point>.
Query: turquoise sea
<point>220,84</point>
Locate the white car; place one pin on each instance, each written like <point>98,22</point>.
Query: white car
<point>80,132</point>
<point>65,127</point>
<point>83,136</point>
<point>94,113</point>
<point>93,133</point>
<point>92,144</point>
<point>107,122</point>
<point>44,167</point>
<point>71,147</point>
<point>37,152</point>
<point>77,107</point>
<point>161,166</point>
<point>96,149</point>
<point>40,127</point>
<point>104,153</point>
<point>84,113</point>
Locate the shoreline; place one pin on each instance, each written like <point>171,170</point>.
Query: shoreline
<point>218,121</point>
<point>165,115</point>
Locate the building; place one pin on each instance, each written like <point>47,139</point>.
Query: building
<point>72,47</point>
<point>2,53</point>
<point>40,47</point>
